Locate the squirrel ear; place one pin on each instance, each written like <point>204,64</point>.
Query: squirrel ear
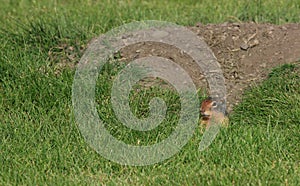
<point>209,98</point>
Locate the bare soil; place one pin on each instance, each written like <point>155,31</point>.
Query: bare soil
<point>246,52</point>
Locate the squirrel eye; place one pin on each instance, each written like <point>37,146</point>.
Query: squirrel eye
<point>214,104</point>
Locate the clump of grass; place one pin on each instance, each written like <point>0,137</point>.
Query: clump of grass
<point>262,102</point>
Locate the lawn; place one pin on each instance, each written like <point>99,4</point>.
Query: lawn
<point>40,42</point>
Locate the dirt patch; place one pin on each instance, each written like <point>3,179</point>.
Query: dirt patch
<point>245,51</point>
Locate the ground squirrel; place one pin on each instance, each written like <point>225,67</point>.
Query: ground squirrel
<point>209,113</point>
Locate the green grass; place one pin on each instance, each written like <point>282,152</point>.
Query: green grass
<point>41,144</point>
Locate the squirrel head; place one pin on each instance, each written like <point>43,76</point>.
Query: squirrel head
<point>206,107</point>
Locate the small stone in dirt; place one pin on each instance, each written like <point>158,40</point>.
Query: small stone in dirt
<point>254,43</point>
<point>244,46</point>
